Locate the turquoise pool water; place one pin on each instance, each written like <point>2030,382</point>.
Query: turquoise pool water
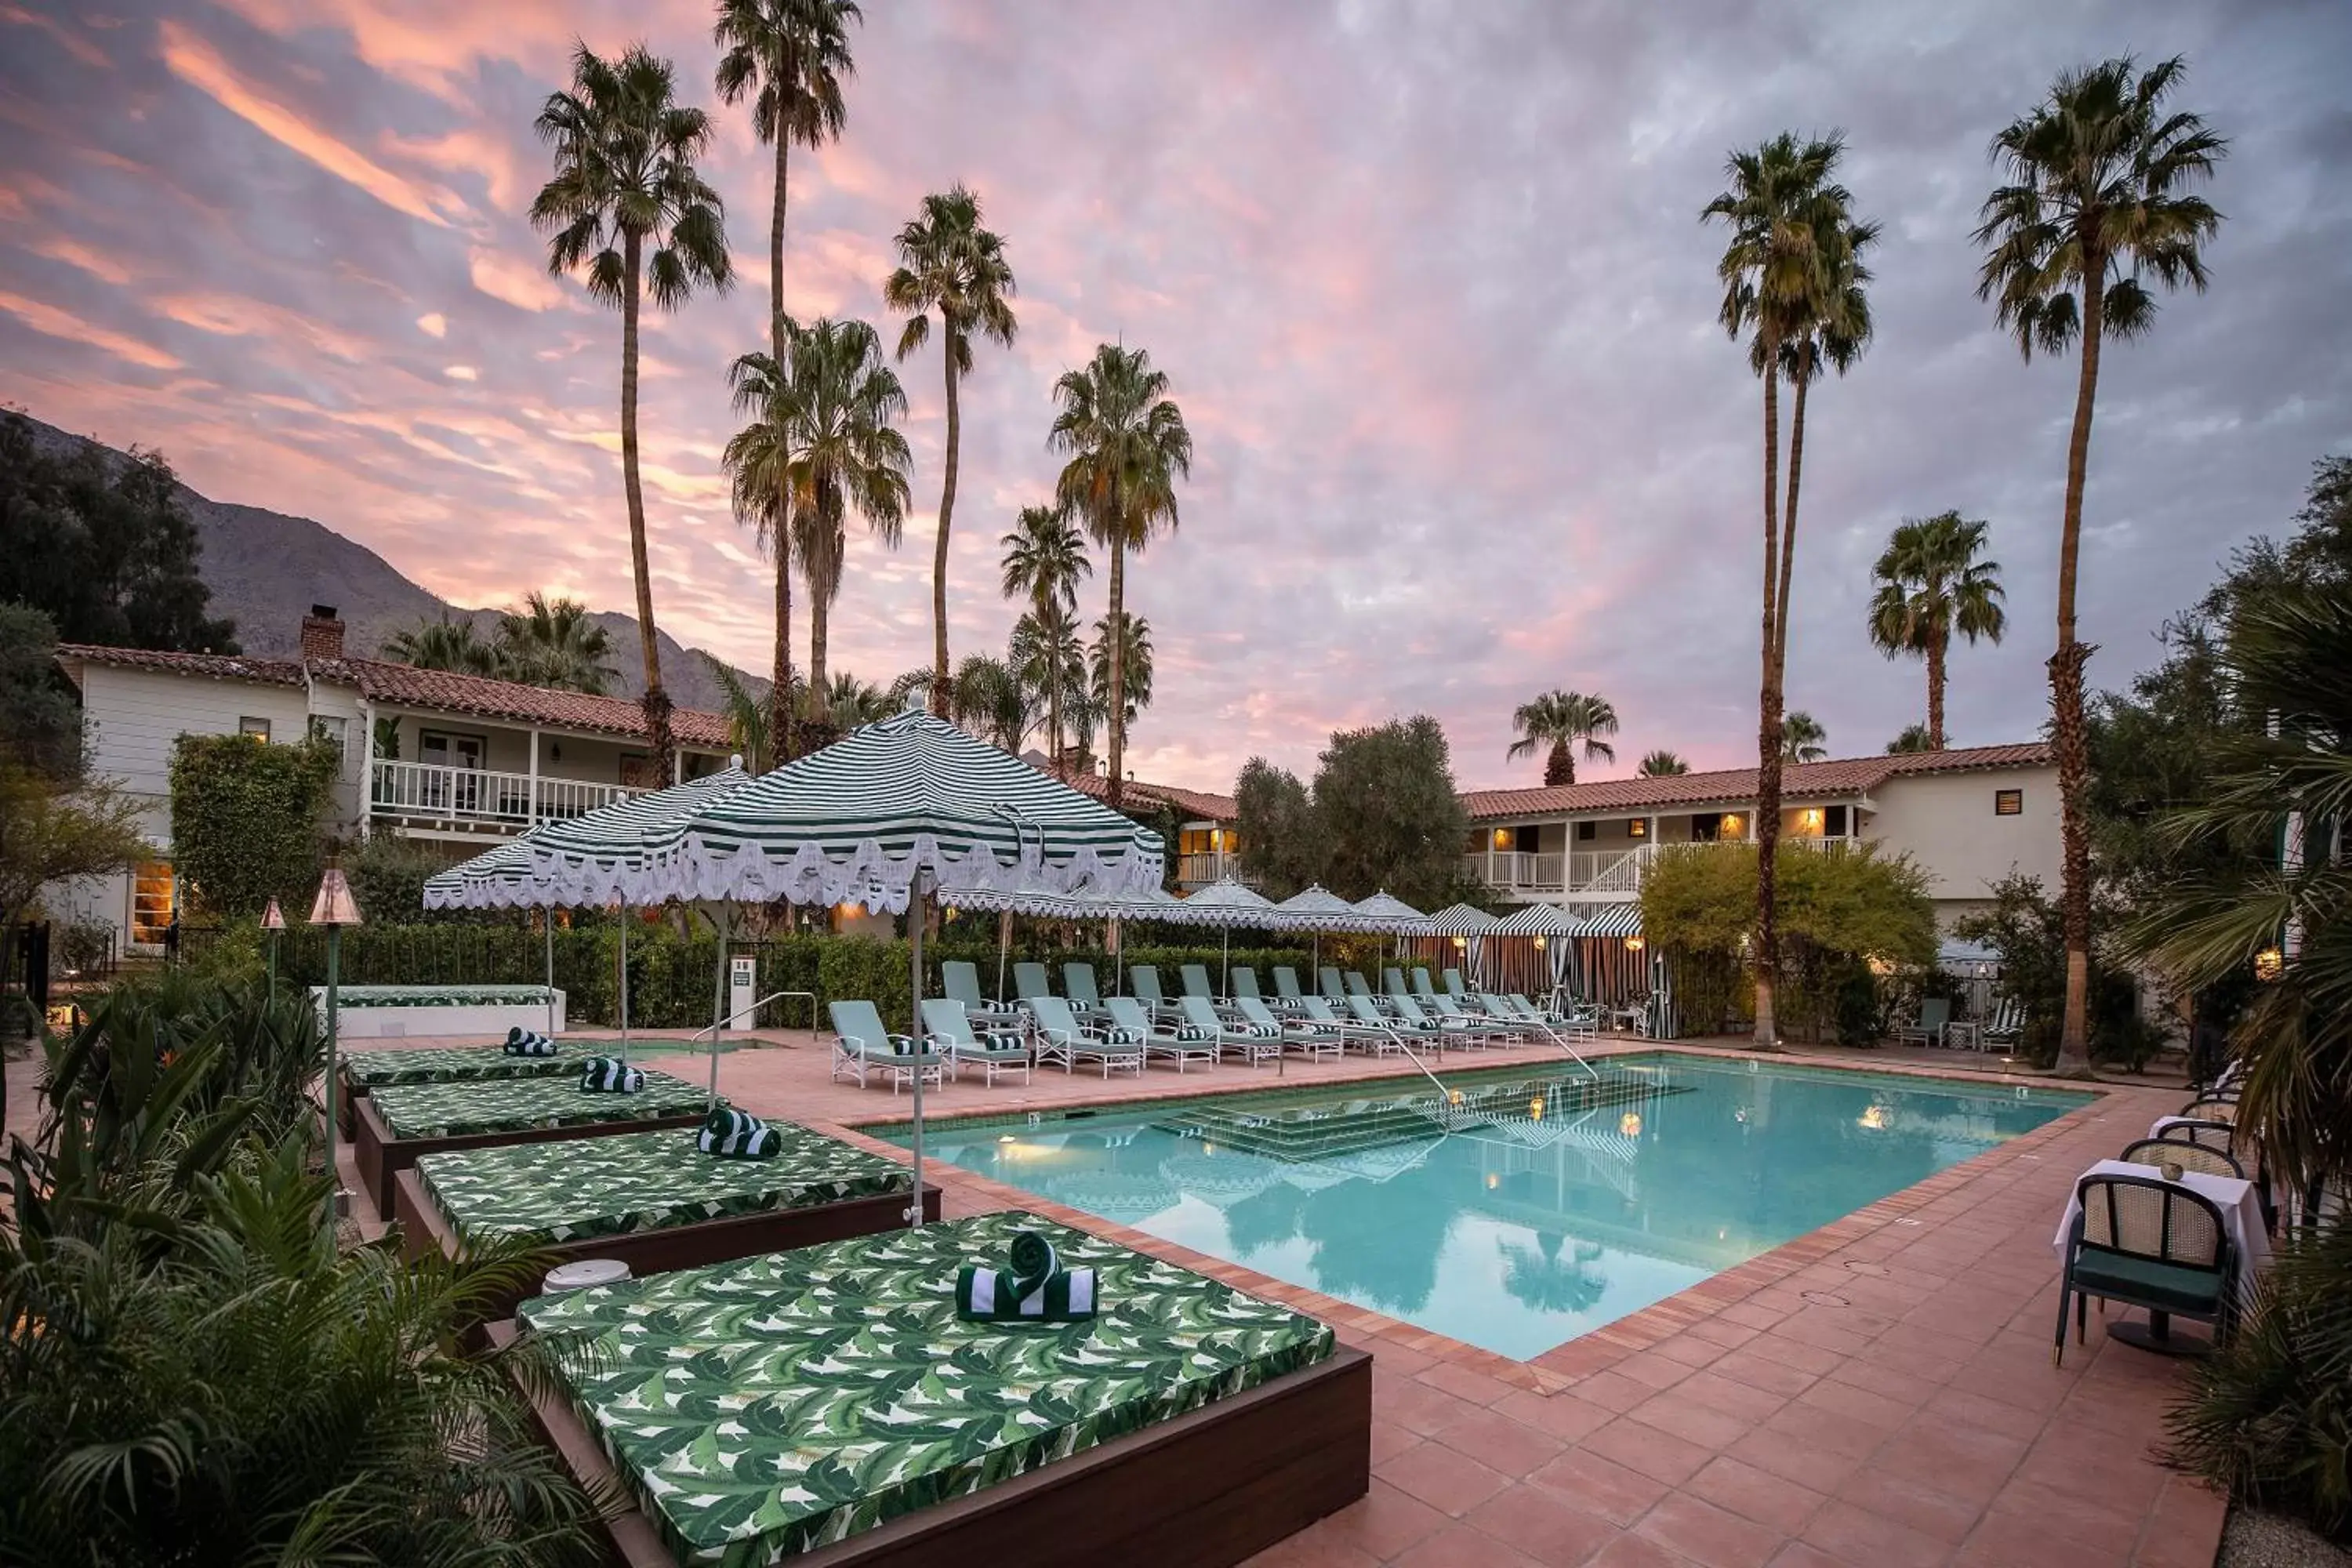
<point>1540,1207</point>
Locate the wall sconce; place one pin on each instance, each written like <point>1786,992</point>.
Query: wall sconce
<point>1461,943</point>
<point>1502,839</point>
<point>1539,944</point>
<point>1636,943</point>
<point>1809,820</point>
<point>2269,963</point>
<point>555,750</point>
<point>1731,824</point>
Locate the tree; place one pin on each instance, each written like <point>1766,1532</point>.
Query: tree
<point>748,716</point>
<point>40,723</point>
<point>848,702</point>
<point>1050,661</point>
<point>245,819</point>
<point>1662,765</point>
<point>1126,658</point>
<point>1282,842</point>
<point>100,544</point>
<point>759,461</point>
<point>555,645</point>
<point>847,455</point>
<point>1562,720</point>
<point>1128,447</point>
<point>949,264</point>
<point>1793,277</point>
<point>52,829</point>
<point>628,204</point>
<point>1914,738</point>
<point>1388,814</point>
<point>2098,201</point>
<point>990,701</point>
<point>1802,738</point>
<point>1045,556</point>
<point>1930,585</point>
<point>444,643</point>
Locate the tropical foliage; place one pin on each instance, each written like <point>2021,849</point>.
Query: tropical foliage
<point>628,207</point>
<point>1127,446</point>
<point>1792,276</point>
<point>2026,927</point>
<point>444,642</point>
<point>2099,205</point>
<point>1802,738</point>
<point>950,266</point>
<point>245,819</point>
<point>1556,723</point>
<point>1661,764</point>
<point>1914,738</point>
<point>1930,588</point>
<point>555,644</point>
<point>1382,814</point>
<point>1045,557</point>
<point>1126,658</point>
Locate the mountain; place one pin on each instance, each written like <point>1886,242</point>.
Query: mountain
<point>267,568</point>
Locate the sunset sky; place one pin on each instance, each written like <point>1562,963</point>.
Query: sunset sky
<point>1429,281</point>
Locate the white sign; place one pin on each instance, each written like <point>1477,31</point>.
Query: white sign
<point>743,979</point>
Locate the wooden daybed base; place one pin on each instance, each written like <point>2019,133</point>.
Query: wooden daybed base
<point>382,1154</point>
<point>425,1229</point>
<point>1210,1488</point>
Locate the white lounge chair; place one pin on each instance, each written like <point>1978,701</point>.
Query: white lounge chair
<point>1061,1037</point>
<point>961,981</point>
<point>1313,1040</point>
<point>1250,1042</point>
<point>949,1029</point>
<point>1160,1042</point>
<point>862,1047</point>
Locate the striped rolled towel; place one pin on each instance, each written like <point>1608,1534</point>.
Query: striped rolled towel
<point>1258,1031</point>
<point>1189,1033</point>
<point>609,1075</point>
<point>1120,1035</point>
<point>1036,1289</point>
<point>522,1042</point>
<point>738,1135</point>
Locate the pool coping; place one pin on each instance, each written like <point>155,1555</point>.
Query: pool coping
<point>1597,1349</point>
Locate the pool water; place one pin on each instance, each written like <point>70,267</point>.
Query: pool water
<point>1539,1209</point>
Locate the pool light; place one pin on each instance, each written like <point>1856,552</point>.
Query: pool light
<point>1630,1124</point>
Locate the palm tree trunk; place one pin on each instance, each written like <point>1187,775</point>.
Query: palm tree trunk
<point>1054,714</point>
<point>820,612</point>
<point>1559,767</point>
<point>2066,700</point>
<point>776,252</point>
<point>1116,630</point>
<point>1936,643</point>
<point>1767,724</point>
<point>780,692</point>
<point>656,701</point>
<point>946,509</point>
<point>1789,529</point>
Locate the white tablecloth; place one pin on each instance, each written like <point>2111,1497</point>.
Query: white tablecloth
<point>2241,1214</point>
<point>2161,1122</point>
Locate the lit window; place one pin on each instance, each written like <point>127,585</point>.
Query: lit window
<point>2009,802</point>
<point>151,898</point>
<point>257,728</point>
<point>1637,828</point>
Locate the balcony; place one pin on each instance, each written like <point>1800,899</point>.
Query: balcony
<point>1596,872</point>
<point>1200,870</point>
<point>439,801</point>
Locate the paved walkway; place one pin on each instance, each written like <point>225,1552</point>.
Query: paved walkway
<point>1875,1394</point>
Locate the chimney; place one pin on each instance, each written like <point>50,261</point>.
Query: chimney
<point>322,634</point>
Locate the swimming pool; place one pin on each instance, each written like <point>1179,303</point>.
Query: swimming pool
<point>1540,1208</point>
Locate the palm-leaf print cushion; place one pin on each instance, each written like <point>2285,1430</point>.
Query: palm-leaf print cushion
<point>451,1109</point>
<point>446,1064</point>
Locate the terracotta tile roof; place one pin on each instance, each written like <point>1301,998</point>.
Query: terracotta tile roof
<point>213,666</point>
<point>445,690</point>
<point>380,680</point>
<point>1194,803</point>
<point>1851,776</point>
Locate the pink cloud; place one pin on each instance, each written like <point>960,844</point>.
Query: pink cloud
<point>51,321</point>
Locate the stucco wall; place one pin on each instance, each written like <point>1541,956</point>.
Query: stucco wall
<point>1946,823</point>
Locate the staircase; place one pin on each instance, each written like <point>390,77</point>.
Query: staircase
<point>1306,1133</point>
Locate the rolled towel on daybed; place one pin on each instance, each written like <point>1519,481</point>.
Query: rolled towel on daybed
<point>1036,1289</point>
<point>609,1075</point>
<point>522,1042</point>
<point>738,1135</point>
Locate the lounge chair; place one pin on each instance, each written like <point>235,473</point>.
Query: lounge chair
<point>1927,1028</point>
<point>1196,977</point>
<point>1454,986</point>
<point>1288,996</point>
<point>1243,983</point>
<point>2145,1242</point>
<point>1029,980</point>
<point>2006,1028</point>
<point>1420,985</point>
<point>1143,985</point>
<point>861,1046</point>
<point>961,982</point>
<point>1079,988</point>
<point>1313,1040</point>
<point>948,1029</point>
<point>1130,1024</point>
<point>1061,1037</point>
<point>1358,985</point>
<point>1455,1029</point>
<point>1576,1024</point>
<point>2202,1157</point>
<point>1362,1010</point>
<point>1326,981</point>
<point>1376,1037</point>
<point>1392,981</point>
<point>1493,1025</point>
<point>1248,1041</point>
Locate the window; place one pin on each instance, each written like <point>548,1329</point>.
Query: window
<point>1836,828</point>
<point>2009,802</point>
<point>151,900</point>
<point>1637,828</point>
<point>1587,831</point>
<point>257,728</point>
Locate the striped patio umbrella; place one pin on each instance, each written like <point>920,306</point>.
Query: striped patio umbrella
<point>888,816</point>
<point>1234,905</point>
<point>497,879</point>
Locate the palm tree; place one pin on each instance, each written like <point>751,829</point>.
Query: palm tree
<point>1046,652</point>
<point>1127,661</point>
<point>1913,738</point>
<point>2097,202</point>
<point>758,459</point>
<point>1045,556</point>
<point>748,717</point>
<point>555,644</point>
<point>1792,277</point>
<point>1662,765</point>
<point>846,701</point>
<point>443,644</point>
<point>628,205</point>
<point>1562,721</point>
<point>948,263</point>
<point>1930,585</point>
<point>1802,738</point>
<point>1128,447</point>
<point>992,702</point>
<point>847,455</point>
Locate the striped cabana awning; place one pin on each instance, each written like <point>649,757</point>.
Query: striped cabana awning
<point>855,822</point>
<point>607,853</point>
<point>1462,920</point>
<point>1614,920</point>
<point>1384,911</point>
<point>1317,910</point>
<point>1541,919</point>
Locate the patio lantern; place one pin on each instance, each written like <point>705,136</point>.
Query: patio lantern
<point>334,908</point>
<point>273,921</point>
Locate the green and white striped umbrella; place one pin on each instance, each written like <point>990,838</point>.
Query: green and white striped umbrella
<point>497,879</point>
<point>1384,911</point>
<point>607,853</point>
<point>855,822</point>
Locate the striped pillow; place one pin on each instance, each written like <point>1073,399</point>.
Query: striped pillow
<point>522,1042</point>
<point>609,1075</point>
<point>738,1135</point>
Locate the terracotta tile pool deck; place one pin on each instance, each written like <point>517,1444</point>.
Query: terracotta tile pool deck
<point>1878,1393</point>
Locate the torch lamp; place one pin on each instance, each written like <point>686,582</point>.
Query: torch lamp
<point>334,908</point>
<point>273,921</point>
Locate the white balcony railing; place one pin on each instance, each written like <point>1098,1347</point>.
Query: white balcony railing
<point>1594,871</point>
<point>476,798</point>
<point>1200,870</point>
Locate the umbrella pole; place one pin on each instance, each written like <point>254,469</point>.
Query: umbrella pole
<point>624,985</point>
<point>718,1000</point>
<point>915,1012</point>
<point>551,971</point>
<point>1225,960</point>
<point>1003,946</point>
